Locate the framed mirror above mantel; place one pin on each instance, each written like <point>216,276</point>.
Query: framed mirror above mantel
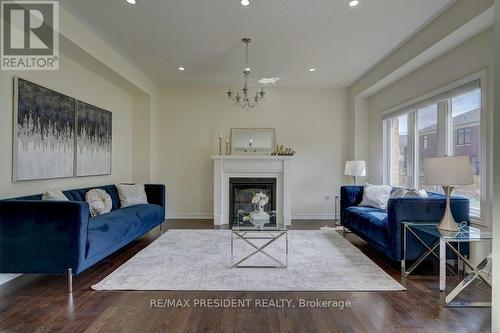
<point>252,141</point>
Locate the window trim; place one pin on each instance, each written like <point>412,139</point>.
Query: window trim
<point>481,216</point>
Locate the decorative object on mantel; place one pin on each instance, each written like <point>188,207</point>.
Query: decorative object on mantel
<point>355,169</point>
<point>221,137</point>
<point>252,141</point>
<point>243,101</point>
<point>282,151</point>
<point>259,217</point>
<point>448,171</point>
<point>228,148</point>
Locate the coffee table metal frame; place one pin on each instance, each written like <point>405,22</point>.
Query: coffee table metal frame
<point>249,236</point>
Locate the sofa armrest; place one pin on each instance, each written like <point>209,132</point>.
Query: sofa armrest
<point>156,194</point>
<point>42,236</point>
<point>350,196</point>
<point>424,210</point>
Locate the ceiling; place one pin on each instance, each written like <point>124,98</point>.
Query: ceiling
<point>289,37</point>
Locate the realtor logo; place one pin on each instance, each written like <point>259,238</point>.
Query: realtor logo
<point>30,35</point>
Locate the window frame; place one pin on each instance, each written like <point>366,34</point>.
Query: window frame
<point>446,139</point>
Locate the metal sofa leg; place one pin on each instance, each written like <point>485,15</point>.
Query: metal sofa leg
<point>70,280</point>
<point>161,229</point>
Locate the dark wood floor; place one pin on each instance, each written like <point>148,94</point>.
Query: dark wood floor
<point>40,304</point>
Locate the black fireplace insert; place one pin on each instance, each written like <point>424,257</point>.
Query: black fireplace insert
<point>241,191</point>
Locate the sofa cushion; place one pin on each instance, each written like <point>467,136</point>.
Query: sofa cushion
<point>372,222</point>
<point>120,226</point>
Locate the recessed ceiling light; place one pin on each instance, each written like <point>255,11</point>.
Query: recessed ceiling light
<point>353,3</point>
<point>312,69</point>
<point>245,2</point>
<point>132,2</point>
<point>181,68</point>
<point>271,80</point>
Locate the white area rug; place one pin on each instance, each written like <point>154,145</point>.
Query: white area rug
<point>201,260</point>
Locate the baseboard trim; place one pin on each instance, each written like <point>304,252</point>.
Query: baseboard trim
<point>313,217</point>
<point>190,216</point>
<point>209,216</point>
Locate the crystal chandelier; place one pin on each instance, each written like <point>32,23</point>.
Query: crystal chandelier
<point>241,99</point>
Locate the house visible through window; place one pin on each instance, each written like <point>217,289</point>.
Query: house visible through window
<point>463,136</point>
<point>449,124</point>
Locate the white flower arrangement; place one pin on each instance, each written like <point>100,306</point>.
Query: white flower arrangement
<point>259,217</point>
<point>260,199</point>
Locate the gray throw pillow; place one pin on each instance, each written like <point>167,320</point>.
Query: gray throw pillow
<point>408,193</point>
<point>376,196</point>
<point>55,195</point>
<point>132,194</point>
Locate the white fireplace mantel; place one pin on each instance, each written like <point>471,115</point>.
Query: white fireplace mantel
<point>252,166</point>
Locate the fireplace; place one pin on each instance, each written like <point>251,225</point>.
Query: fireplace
<point>241,191</point>
<point>254,166</point>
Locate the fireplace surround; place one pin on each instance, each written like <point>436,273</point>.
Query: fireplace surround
<point>254,166</point>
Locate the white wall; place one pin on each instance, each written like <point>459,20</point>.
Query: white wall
<point>310,120</point>
<point>78,82</point>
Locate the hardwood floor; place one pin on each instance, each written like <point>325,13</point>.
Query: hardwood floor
<point>40,304</point>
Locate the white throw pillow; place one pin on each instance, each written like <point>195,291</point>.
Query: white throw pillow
<point>132,195</point>
<point>56,195</point>
<point>408,193</point>
<point>99,202</point>
<point>376,196</point>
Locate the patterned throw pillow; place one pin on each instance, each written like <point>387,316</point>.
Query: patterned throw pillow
<point>99,202</point>
<point>132,195</point>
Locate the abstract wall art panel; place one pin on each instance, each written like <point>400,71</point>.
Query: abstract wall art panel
<point>94,136</point>
<point>44,133</point>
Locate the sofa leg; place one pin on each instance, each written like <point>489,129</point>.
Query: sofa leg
<point>70,280</point>
<point>161,229</point>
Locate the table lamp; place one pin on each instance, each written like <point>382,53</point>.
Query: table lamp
<point>448,171</point>
<point>355,169</point>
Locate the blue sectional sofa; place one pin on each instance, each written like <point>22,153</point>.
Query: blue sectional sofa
<point>52,237</point>
<point>383,229</point>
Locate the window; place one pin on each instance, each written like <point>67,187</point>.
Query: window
<point>399,148</point>
<point>446,124</point>
<point>463,136</point>
<point>427,142</point>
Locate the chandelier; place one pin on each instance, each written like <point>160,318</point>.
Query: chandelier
<point>241,99</point>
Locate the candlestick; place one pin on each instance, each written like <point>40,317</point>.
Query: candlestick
<point>227,147</point>
<point>220,145</point>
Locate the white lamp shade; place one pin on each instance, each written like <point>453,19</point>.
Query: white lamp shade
<point>448,170</point>
<point>355,168</point>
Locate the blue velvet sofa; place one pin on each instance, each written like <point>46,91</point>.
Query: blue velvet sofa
<point>52,237</point>
<point>383,229</point>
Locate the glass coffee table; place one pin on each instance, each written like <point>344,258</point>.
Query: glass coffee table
<point>260,238</point>
<point>449,240</point>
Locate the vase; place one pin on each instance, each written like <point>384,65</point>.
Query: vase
<point>260,217</point>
